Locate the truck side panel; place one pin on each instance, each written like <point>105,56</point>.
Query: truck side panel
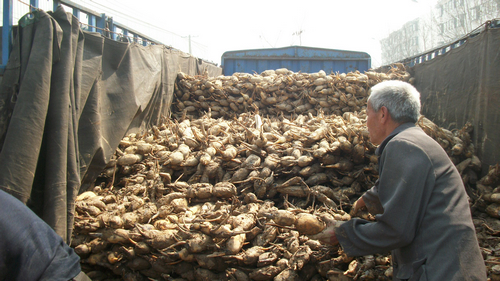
<point>295,58</point>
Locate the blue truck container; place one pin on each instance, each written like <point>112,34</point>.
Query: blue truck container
<point>295,58</point>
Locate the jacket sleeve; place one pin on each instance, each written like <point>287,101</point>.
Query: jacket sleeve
<point>403,192</point>
<point>372,201</point>
<point>30,249</point>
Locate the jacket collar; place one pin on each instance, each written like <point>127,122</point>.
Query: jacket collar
<point>396,131</point>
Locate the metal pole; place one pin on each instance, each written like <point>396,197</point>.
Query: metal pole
<point>125,35</point>
<point>55,3</point>
<point>92,22</point>
<point>6,31</point>
<point>101,23</point>
<point>76,13</point>
<point>112,28</point>
<point>34,4</point>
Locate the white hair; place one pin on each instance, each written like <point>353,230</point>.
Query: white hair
<point>400,98</point>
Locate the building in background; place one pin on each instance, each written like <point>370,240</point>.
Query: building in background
<point>448,21</point>
<point>404,42</point>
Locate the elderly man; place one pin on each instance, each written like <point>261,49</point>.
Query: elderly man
<point>419,201</point>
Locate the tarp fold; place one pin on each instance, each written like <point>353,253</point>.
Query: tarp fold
<point>67,98</point>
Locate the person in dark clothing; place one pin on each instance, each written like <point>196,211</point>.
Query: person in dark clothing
<point>419,201</point>
<point>30,249</point>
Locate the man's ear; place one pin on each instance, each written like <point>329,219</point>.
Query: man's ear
<point>384,114</point>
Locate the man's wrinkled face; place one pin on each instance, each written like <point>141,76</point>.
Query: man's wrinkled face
<point>374,125</point>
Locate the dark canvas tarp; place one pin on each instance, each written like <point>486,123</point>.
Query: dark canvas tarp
<point>463,85</point>
<point>67,98</point>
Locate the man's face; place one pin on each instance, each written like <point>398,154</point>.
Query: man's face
<point>374,125</point>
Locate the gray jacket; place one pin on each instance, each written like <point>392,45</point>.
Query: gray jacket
<point>422,213</point>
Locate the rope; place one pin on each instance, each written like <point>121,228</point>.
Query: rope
<point>29,5</point>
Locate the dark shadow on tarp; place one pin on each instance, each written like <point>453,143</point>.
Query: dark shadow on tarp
<point>67,98</point>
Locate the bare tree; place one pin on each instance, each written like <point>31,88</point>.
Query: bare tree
<point>456,18</point>
<point>427,32</point>
<point>447,22</point>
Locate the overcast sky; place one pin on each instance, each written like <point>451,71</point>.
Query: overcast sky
<point>219,26</point>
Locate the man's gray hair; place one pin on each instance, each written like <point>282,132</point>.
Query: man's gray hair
<point>400,98</point>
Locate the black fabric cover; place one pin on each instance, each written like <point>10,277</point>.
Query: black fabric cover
<point>67,98</point>
<point>463,85</point>
<point>30,248</point>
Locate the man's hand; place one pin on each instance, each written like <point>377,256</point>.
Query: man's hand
<point>327,235</point>
<point>357,206</point>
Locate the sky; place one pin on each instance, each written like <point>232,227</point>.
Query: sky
<point>217,26</point>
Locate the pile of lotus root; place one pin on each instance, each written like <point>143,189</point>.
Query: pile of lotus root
<point>250,166</point>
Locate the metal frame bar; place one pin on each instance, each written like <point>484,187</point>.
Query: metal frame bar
<point>98,22</point>
<point>101,19</point>
<point>443,49</point>
<point>92,22</point>
<point>101,23</point>
<point>34,3</point>
<point>6,32</point>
